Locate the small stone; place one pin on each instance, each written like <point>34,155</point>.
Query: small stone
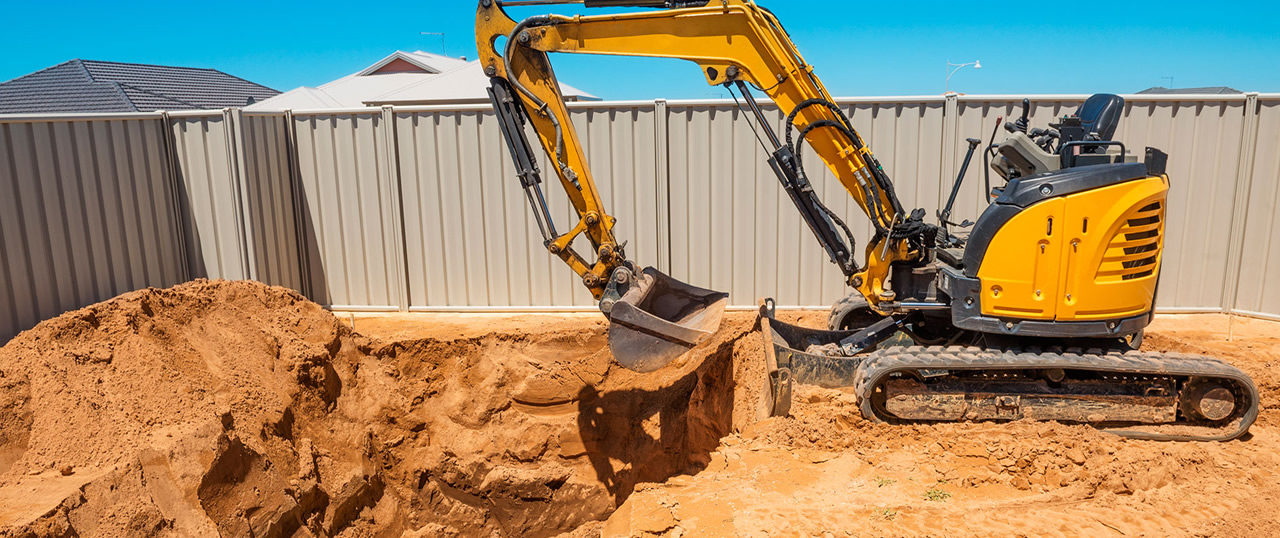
<point>1076,456</point>
<point>66,470</point>
<point>1053,477</point>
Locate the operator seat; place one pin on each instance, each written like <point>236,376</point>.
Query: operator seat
<point>1100,114</point>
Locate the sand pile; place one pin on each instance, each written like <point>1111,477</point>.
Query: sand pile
<point>241,409</point>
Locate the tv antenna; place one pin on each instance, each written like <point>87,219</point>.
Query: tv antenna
<point>1170,81</point>
<point>443,50</point>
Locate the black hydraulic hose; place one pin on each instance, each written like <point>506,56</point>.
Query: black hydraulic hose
<point>874,165</point>
<point>832,215</point>
<point>791,118</point>
<point>878,178</point>
<point>853,243</point>
<point>870,190</point>
<point>512,39</point>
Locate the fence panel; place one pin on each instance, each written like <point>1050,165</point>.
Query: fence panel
<point>621,149</point>
<point>449,161</point>
<point>418,207</point>
<point>274,244</point>
<point>204,151</point>
<point>907,138</point>
<point>86,213</point>
<point>1259,285</point>
<point>471,240</point>
<point>717,182</point>
<point>1203,140</point>
<point>347,213</point>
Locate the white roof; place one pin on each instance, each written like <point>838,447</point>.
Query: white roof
<point>443,80</point>
<point>434,63</point>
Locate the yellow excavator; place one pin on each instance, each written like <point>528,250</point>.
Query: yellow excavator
<point>1034,311</point>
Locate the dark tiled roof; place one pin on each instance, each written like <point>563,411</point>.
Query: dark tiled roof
<point>92,86</point>
<point>1211,90</point>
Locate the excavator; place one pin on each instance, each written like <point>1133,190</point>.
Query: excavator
<point>1034,311</point>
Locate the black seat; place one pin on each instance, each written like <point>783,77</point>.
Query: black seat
<point>1100,114</point>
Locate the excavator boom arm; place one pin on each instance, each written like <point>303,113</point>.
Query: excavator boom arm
<point>735,43</point>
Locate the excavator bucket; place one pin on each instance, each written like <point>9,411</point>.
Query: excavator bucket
<point>659,318</point>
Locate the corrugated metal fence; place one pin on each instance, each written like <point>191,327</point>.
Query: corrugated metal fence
<point>417,208</point>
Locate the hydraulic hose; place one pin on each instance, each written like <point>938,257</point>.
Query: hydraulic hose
<point>870,190</point>
<point>791,118</point>
<point>512,40</point>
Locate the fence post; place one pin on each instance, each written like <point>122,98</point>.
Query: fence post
<point>394,207</point>
<point>173,169</point>
<point>231,129</point>
<point>300,206</point>
<point>1240,204</point>
<point>662,182</point>
<point>950,132</point>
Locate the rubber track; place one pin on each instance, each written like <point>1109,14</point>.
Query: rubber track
<point>879,364</point>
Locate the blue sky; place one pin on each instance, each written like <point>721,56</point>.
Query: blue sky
<point>858,48</point>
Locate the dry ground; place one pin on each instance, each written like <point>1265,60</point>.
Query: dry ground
<point>237,409</point>
<point>824,470</point>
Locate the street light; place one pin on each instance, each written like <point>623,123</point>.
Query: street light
<point>976,65</point>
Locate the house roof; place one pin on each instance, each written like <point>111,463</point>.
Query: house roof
<point>402,78</point>
<point>1211,90</point>
<point>96,86</point>
<point>431,63</point>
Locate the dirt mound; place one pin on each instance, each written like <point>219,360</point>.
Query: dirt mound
<point>237,408</point>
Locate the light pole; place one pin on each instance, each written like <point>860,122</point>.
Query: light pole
<point>976,65</point>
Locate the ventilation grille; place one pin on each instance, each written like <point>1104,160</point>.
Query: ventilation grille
<point>1132,252</point>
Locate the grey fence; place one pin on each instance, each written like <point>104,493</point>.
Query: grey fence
<point>416,208</point>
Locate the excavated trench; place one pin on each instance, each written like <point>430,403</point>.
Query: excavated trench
<point>241,409</point>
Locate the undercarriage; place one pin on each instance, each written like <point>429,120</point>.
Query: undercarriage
<point>1131,393</point>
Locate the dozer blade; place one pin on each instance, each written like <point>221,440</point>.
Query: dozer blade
<point>659,318</point>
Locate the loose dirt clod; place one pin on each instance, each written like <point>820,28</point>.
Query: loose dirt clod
<point>235,408</point>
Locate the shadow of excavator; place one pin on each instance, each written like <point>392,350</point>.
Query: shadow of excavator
<point>633,436</point>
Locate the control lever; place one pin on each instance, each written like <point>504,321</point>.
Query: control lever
<point>986,160</point>
<point>1044,138</point>
<point>1051,133</point>
<point>1022,123</point>
<point>945,214</point>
